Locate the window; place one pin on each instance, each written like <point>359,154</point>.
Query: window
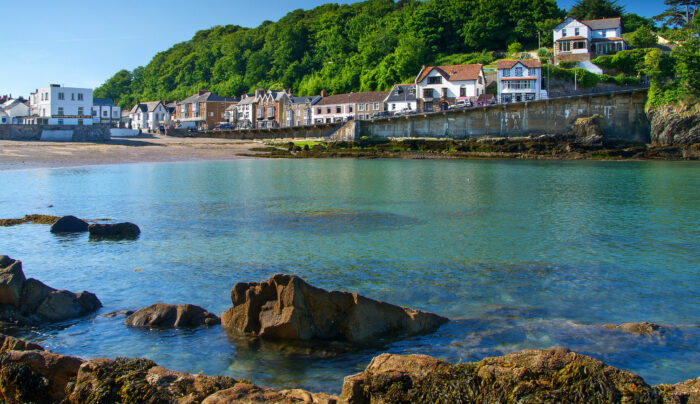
<point>318,110</point>
<point>393,107</point>
<point>376,105</point>
<point>605,34</point>
<point>366,116</point>
<point>211,114</point>
<point>580,45</point>
<point>428,106</point>
<point>60,121</point>
<point>366,107</point>
<point>427,93</point>
<point>328,110</point>
<point>271,112</point>
<point>80,111</point>
<point>104,113</point>
<point>435,80</point>
<point>80,121</point>
<point>533,73</point>
<point>80,96</point>
<point>577,32</point>
<point>563,32</point>
<point>60,110</point>
<point>518,72</point>
<point>506,73</point>
<point>462,91</point>
<point>337,110</point>
<point>481,80</point>
<point>529,97</point>
<point>72,96</point>
<point>360,107</point>
<point>94,112</point>
<point>350,109</point>
<point>61,96</point>
<point>444,92</point>
<point>565,46</point>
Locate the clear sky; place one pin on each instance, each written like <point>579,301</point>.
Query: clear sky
<point>82,43</point>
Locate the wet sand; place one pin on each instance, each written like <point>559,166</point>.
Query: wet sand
<point>35,154</point>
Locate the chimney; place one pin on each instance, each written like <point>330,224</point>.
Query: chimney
<point>259,92</point>
<point>323,93</point>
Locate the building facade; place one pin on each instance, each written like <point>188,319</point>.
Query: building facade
<point>13,111</point>
<point>104,111</point>
<point>149,116</point>
<point>343,107</point>
<point>580,41</point>
<point>271,109</point>
<point>519,80</point>
<point>203,110</point>
<point>56,105</point>
<point>299,110</point>
<point>438,87</point>
<point>245,111</point>
<point>402,98</point>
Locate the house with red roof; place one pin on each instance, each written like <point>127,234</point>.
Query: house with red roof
<point>438,87</point>
<point>520,80</point>
<point>580,41</point>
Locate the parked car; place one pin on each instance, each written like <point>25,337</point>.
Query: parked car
<point>461,104</point>
<point>381,114</point>
<point>223,126</point>
<point>405,111</point>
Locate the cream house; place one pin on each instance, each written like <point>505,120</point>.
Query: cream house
<point>438,87</point>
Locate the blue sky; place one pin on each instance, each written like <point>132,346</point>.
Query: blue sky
<point>83,43</point>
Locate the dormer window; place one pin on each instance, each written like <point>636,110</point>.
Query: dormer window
<point>435,80</point>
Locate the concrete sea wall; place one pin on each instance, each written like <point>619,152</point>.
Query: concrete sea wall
<point>623,114</point>
<point>66,133</point>
<point>299,132</point>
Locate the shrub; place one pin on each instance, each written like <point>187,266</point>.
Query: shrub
<point>514,48</point>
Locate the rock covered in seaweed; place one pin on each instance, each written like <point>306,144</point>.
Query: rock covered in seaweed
<point>172,316</point>
<point>114,231</point>
<point>286,307</point>
<point>31,302</point>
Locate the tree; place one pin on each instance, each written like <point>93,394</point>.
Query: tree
<point>593,9</point>
<point>514,48</point>
<point>679,13</point>
<point>642,38</point>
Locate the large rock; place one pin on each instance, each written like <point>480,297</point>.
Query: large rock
<point>554,375</point>
<point>589,130</point>
<point>170,315</point>
<point>11,281</point>
<point>138,380</point>
<point>286,307</point>
<point>69,224</point>
<point>114,231</point>
<point>687,392</point>
<point>8,343</point>
<point>244,393</point>
<point>31,302</point>
<point>36,376</point>
<point>675,125</point>
<point>637,328</point>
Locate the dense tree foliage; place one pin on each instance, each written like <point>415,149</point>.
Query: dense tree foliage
<point>679,13</point>
<point>369,45</point>
<point>593,9</point>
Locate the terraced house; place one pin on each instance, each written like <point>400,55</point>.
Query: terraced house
<point>300,110</point>
<point>343,107</point>
<point>203,110</point>
<point>270,108</point>
<point>520,80</point>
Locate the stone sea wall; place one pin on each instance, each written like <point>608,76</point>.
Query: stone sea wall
<point>299,132</point>
<point>70,133</point>
<point>623,116</point>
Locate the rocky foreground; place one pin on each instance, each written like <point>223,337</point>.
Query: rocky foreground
<point>30,374</point>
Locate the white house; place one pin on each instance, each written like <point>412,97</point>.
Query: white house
<point>580,41</point>
<point>245,111</point>
<point>149,116</point>
<point>439,86</point>
<point>56,105</point>
<point>520,80</point>
<point>402,97</point>
<point>104,111</point>
<point>12,111</point>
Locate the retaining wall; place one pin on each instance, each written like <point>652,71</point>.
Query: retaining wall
<point>299,132</point>
<point>623,113</point>
<point>72,133</point>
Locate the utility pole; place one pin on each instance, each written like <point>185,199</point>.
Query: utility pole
<point>575,80</point>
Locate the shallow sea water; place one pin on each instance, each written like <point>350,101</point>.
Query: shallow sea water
<point>521,254</point>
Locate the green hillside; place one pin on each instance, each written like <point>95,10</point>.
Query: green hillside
<point>363,46</point>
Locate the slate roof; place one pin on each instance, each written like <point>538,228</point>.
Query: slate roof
<point>454,72</point>
<point>312,99</point>
<point>354,98</point>
<point>402,93</point>
<point>207,96</point>
<point>509,63</point>
<point>250,99</point>
<point>604,23</point>
<point>105,102</point>
<point>145,106</point>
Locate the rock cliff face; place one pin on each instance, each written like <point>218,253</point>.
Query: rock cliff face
<point>671,125</point>
<point>30,302</point>
<point>286,307</point>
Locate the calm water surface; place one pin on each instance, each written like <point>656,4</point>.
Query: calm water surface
<point>519,254</point>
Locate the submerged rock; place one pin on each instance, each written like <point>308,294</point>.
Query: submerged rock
<point>35,218</point>
<point>31,302</point>
<point>113,314</point>
<point>69,224</point>
<point>637,328</point>
<point>170,315</point>
<point>114,231</point>
<point>286,307</point>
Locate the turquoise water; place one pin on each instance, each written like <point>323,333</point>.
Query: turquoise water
<point>521,254</point>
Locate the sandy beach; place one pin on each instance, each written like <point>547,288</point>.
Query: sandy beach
<point>23,155</point>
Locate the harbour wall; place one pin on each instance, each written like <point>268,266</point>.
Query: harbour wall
<point>622,111</point>
<point>65,133</point>
<point>298,132</point>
